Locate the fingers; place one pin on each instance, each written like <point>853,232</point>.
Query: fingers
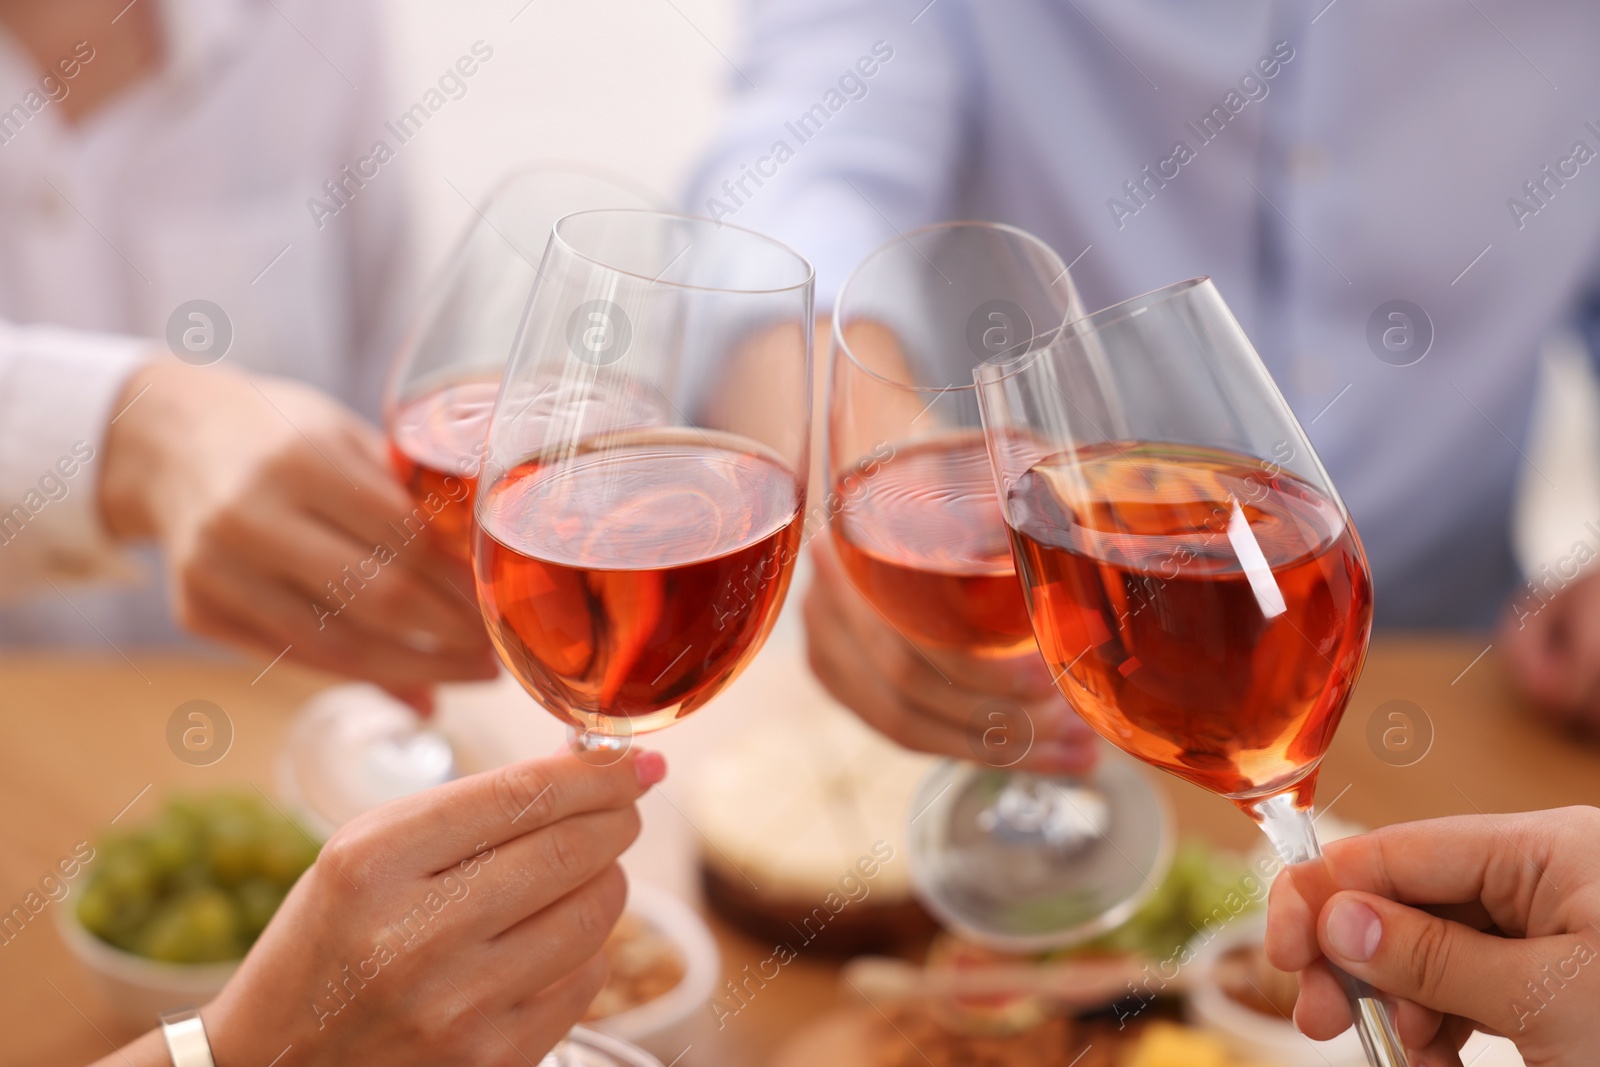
<point>530,873</point>
<point>541,1021</point>
<point>245,609</point>
<point>1321,1013</point>
<point>1553,649</point>
<point>1495,859</point>
<point>1436,964</point>
<point>1010,742</point>
<point>487,810</point>
<point>558,938</point>
<point>932,701</point>
<point>364,582</point>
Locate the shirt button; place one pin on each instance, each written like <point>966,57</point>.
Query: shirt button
<point>1307,163</point>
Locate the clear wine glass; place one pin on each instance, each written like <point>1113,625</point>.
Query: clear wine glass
<point>1191,574</point>
<point>355,749</point>
<point>641,501</point>
<point>917,528</point>
<point>442,386</point>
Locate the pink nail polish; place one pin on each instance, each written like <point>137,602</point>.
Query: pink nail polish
<point>651,767</point>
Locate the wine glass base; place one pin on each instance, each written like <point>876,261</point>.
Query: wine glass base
<point>353,748</point>
<point>590,1048</point>
<point>1063,814</point>
<point>1023,863</point>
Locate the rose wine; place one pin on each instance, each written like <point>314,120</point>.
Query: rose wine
<point>1206,612</point>
<point>436,442</point>
<point>921,536</point>
<point>634,582</point>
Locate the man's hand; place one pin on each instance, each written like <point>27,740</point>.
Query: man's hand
<point>1554,651</point>
<point>936,700</point>
<point>284,528</point>
<point>1471,923</point>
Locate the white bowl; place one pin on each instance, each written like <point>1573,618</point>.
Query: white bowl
<point>1249,1033</point>
<point>139,989</point>
<point>663,1025</point>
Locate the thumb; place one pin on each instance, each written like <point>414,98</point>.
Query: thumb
<point>1496,982</point>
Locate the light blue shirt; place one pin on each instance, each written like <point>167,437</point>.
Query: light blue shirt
<point>1320,160</point>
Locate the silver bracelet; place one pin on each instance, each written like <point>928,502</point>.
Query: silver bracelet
<point>186,1038</point>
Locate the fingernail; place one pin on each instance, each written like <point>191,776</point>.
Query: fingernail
<point>1354,930</point>
<point>651,767</point>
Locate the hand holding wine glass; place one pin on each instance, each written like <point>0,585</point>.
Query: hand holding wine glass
<point>1191,575</point>
<point>914,618</point>
<point>636,528</point>
<point>441,391</point>
<point>1475,922</point>
<point>922,696</point>
<point>270,501</point>
<point>518,870</point>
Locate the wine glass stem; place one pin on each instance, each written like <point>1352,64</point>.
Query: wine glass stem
<point>595,742</point>
<point>1294,837</point>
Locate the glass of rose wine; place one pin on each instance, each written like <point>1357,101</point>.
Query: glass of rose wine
<point>640,506</point>
<point>347,756</point>
<point>999,854</point>
<point>1193,579</point>
<point>447,371</point>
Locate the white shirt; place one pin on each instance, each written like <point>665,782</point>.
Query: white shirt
<point>1340,155</point>
<point>195,184</point>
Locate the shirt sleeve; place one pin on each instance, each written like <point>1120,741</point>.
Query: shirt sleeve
<point>57,391</point>
<point>846,127</point>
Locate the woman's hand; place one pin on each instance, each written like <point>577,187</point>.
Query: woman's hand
<point>284,528</point>
<point>458,926</point>
<point>1003,712</point>
<point>1478,922</point>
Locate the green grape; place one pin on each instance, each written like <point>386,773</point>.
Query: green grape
<point>234,840</point>
<point>195,874</point>
<point>202,926</point>
<point>285,853</point>
<point>258,902</point>
<point>98,910</point>
<point>199,882</point>
<point>128,872</point>
<point>172,842</point>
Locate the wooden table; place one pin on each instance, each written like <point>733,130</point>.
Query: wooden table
<point>81,740</point>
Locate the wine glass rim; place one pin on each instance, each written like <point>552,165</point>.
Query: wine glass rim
<point>556,237</point>
<point>1001,367</point>
<point>836,329</point>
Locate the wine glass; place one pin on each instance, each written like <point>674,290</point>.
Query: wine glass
<point>1004,857</point>
<point>1191,574</point>
<point>642,497</point>
<point>442,386</point>
<point>355,748</point>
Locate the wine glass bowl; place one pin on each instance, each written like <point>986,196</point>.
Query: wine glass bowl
<point>446,374</point>
<point>1014,860</point>
<point>1193,579</point>
<point>644,486</point>
<point>917,526</point>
